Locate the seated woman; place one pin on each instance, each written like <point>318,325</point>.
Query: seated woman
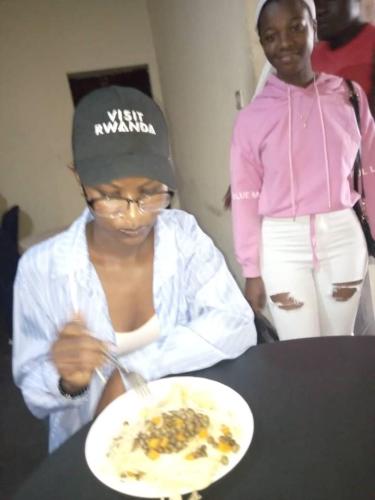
<point>128,275</point>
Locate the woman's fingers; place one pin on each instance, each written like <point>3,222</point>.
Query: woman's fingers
<point>75,327</point>
<point>77,354</point>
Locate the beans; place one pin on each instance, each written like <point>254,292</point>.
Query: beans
<point>198,453</point>
<point>171,431</point>
<point>212,441</point>
<point>136,475</point>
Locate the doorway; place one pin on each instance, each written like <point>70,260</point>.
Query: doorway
<point>133,76</point>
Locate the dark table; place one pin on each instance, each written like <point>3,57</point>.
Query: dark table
<point>314,409</point>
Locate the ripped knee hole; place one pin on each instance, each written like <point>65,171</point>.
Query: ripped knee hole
<point>345,291</point>
<point>286,301</point>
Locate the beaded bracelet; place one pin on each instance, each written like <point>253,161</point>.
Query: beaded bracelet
<point>71,395</point>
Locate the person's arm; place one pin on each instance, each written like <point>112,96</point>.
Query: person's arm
<point>220,325</point>
<point>246,184</point>
<point>41,357</point>
<point>368,155</point>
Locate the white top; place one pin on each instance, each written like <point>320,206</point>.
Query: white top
<point>138,338</point>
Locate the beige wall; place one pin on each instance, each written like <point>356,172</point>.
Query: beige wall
<point>203,54</point>
<point>40,42</point>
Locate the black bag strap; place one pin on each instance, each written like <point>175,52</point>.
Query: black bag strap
<point>358,172</point>
<point>266,332</point>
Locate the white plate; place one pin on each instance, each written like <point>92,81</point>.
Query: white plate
<point>128,406</point>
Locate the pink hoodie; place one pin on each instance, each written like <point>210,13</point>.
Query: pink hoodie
<point>292,153</point>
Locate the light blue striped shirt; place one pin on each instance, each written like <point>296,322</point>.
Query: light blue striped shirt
<point>202,314</point>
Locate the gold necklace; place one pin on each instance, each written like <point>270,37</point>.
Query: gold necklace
<point>303,118</point>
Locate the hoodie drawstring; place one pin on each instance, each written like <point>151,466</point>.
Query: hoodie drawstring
<point>290,150</point>
<point>291,171</point>
<point>314,241</point>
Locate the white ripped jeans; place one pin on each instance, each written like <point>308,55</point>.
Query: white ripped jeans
<point>313,267</point>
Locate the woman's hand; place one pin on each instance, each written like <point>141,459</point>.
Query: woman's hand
<point>76,354</point>
<point>255,293</point>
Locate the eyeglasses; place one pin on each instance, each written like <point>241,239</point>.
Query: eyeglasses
<point>113,207</point>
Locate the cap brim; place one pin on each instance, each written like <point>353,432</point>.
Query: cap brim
<point>103,170</point>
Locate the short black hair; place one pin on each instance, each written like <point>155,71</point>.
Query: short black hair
<point>306,5</point>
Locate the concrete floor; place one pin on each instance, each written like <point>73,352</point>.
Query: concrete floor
<point>23,438</point>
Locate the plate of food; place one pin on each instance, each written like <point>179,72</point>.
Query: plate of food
<point>188,433</point>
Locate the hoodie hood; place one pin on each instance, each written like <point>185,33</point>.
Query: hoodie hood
<point>276,88</point>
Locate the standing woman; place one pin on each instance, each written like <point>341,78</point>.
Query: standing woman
<point>296,236</point>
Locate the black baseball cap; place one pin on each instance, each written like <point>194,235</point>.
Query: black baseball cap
<point>120,132</point>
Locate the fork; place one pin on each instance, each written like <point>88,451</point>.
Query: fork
<point>135,380</point>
